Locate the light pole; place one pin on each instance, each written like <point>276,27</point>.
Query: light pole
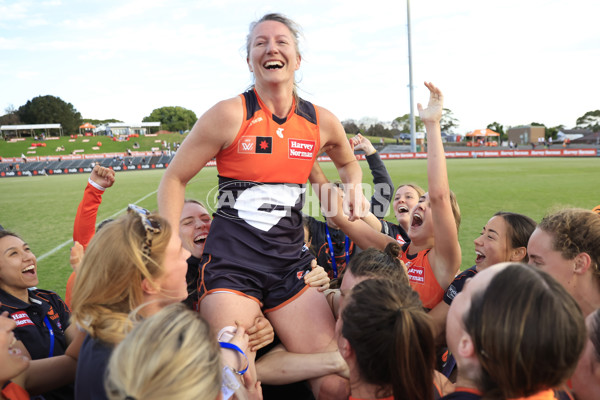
<point>413,140</point>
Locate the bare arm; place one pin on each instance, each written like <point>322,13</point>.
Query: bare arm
<point>215,130</point>
<point>51,373</point>
<point>445,256</point>
<point>438,316</point>
<point>363,235</point>
<point>280,367</point>
<point>334,142</point>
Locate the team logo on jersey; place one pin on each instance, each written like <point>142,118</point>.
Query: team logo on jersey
<point>301,149</point>
<point>264,145</point>
<point>416,274</point>
<point>263,206</point>
<point>246,144</point>
<point>21,318</point>
<point>279,132</point>
<point>400,239</point>
<point>255,145</point>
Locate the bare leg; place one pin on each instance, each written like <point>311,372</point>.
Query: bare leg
<point>306,325</point>
<point>224,309</point>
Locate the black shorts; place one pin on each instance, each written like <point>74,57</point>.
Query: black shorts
<point>270,288</point>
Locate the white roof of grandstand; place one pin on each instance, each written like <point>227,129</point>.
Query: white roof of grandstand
<point>126,125</point>
<point>23,127</point>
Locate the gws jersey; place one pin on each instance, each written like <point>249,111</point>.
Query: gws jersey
<point>262,182</point>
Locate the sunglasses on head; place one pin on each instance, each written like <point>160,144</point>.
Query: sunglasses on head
<point>151,227</point>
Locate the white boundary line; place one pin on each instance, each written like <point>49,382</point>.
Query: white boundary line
<point>70,241</point>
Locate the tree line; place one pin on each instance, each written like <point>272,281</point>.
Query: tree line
<point>53,110</point>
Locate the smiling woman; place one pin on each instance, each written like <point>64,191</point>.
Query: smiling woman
<point>42,317</point>
<point>265,142</point>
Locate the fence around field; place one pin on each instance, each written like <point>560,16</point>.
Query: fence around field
<point>83,163</point>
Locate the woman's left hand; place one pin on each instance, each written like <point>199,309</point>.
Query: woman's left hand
<point>260,334</point>
<point>317,277</point>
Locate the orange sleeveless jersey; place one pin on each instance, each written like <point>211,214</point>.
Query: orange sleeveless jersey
<point>271,152</point>
<point>421,278</point>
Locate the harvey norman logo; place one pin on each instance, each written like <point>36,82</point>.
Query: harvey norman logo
<point>301,149</point>
<point>21,318</point>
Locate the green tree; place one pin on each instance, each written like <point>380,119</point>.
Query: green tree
<point>403,123</point>
<point>50,110</point>
<point>11,117</point>
<point>496,127</point>
<point>97,122</point>
<point>551,132</point>
<point>350,127</point>
<point>448,122</point>
<point>378,130</point>
<point>590,120</point>
<point>173,119</point>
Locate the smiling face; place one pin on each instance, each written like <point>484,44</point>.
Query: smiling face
<point>272,55</point>
<point>405,199</point>
<point>491,247</point>
<point>171,282</point>
<point>194,226</point>
<point>421,224</point>
<point>12,362</point>
<point>18,267</point>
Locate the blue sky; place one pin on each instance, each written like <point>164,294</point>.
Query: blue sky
<point>508,61</point>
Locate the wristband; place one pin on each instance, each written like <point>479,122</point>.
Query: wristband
<point>94,184</point>
<point>229,383</point>
<point>231,346</point>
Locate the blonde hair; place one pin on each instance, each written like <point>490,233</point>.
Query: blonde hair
<point>170,355</point>
<point>109,281</point>
<point>294,29</point>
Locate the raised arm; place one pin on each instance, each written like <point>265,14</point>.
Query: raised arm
<point>84,226</point>
<point>363,235</point>
<point>383,187</point>
<point>445,255</point>
<point>215,130</point>
<point>334,142</point>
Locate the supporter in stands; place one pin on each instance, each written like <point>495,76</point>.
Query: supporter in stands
<point>43,323</point>
<point>333,249</point>
<point>268,158</point>
<point>173,355</point>
<point>433,256</point>
<point>565,244</point>
<point>586,379</point>
<point>518,343</point>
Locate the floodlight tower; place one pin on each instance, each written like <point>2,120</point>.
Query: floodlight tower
<point>413,139</point>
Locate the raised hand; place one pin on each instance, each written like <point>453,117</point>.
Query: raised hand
<point>433,112</point>
<point>102,176</point>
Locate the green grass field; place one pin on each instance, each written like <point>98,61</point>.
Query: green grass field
<point>86,143</point>
<point>42,209</point>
